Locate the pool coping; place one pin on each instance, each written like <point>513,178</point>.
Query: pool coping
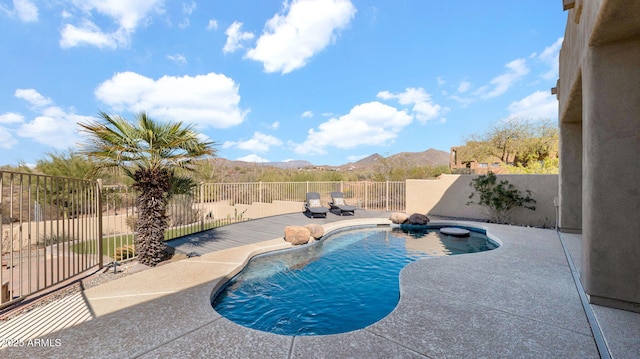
<point>167,309</point>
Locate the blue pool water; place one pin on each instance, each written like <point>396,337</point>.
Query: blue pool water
<point>346,281</point>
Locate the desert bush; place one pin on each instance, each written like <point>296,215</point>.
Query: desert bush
<point>132,223</point>
<point>499,198</point>
<point>180,210</point>
<point>125,252</point>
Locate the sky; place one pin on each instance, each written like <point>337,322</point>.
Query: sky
<point>327,81</point>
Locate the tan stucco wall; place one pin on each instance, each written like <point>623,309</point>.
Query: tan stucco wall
<point>448,195</point>
<point>570,179</point>
<point>599,90</point>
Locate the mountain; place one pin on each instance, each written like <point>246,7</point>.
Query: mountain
<point>289,164</point>
<point>373,159</point>
<point>430,157</point>
<point>286,165</point>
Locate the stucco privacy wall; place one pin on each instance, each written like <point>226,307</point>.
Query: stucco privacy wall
<point>599,91</point>
<point>449,194</point>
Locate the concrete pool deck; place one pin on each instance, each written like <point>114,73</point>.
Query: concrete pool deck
<point>519,300</point>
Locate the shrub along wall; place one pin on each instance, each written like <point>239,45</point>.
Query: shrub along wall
<point>449,194</point>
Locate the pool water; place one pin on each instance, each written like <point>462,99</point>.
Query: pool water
<point>346,281</point>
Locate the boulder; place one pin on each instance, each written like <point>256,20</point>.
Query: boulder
<point>316,230</point>
<point>296,235</point>
<point>399,218</point>
<point>418,218</point>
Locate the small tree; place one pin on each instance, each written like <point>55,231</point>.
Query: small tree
<point>150,153</point>
<point>499,198</point>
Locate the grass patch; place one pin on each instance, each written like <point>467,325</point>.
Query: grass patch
<point>110,244</point>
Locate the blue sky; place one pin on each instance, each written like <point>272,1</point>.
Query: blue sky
<point>329,81</point>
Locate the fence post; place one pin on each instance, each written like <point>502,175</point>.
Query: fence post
<point>99,214</point>
<point>366,194</point>
<point>386,196</point>
<point>201,206</point>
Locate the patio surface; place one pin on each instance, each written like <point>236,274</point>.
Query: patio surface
<point>519,300</point>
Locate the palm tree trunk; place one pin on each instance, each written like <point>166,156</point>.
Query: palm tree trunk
<point>152,186</point>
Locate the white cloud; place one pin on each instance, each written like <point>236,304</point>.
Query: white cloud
<point>210,100</point>
<point>440,81</point>
<point>33,97</point>
<point>516,70</point>
<point>258,143</point>
<point>11,117</point>
<point>25,10</point>
<point>178,59</point>
<point>301,30</point>
<point>464,86</point>
<point>187,10</point>
<point>424,108</point>
<point>410,96</point>
<point>89,34</point>
<point>127,16</point>
<point>551,57</point>
<point>538,105</point>
<point>252,158</point>
<point>275,125</point>
<point>6,139</point>
<point>54,127</point>
<point>235,37</point>
<point>212,25</point>
<point>307,114</point>
<point>464,101</point>
<point>371,123</point>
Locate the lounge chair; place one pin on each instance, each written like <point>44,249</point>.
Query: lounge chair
<point>338,203</point>
<point>313,206</point>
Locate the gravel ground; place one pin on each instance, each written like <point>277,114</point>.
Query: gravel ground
<point>99,277</point>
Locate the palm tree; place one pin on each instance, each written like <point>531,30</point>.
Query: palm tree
<point>150,153</point>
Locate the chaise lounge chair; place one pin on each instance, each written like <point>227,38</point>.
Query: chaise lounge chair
<point>338,203</point>
<point>313,206</point>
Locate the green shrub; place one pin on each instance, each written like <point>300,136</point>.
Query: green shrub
<point>499,198</point>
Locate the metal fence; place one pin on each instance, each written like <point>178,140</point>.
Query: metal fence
<point>50,232</point>
<point>378,196</point>
<point>55,228</point>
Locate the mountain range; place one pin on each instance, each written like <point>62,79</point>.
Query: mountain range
<point>430,157</point>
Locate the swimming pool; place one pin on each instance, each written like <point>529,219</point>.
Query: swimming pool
<point>347,281</point>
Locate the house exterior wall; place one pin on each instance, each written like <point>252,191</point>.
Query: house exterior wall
<point>599,112</point>
<point>473,167</point>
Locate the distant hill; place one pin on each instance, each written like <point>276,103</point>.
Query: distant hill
<point>430,157</point>
<point>373,159</point>
<point>287,165</point>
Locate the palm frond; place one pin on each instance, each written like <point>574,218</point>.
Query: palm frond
<point>143,144</point>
